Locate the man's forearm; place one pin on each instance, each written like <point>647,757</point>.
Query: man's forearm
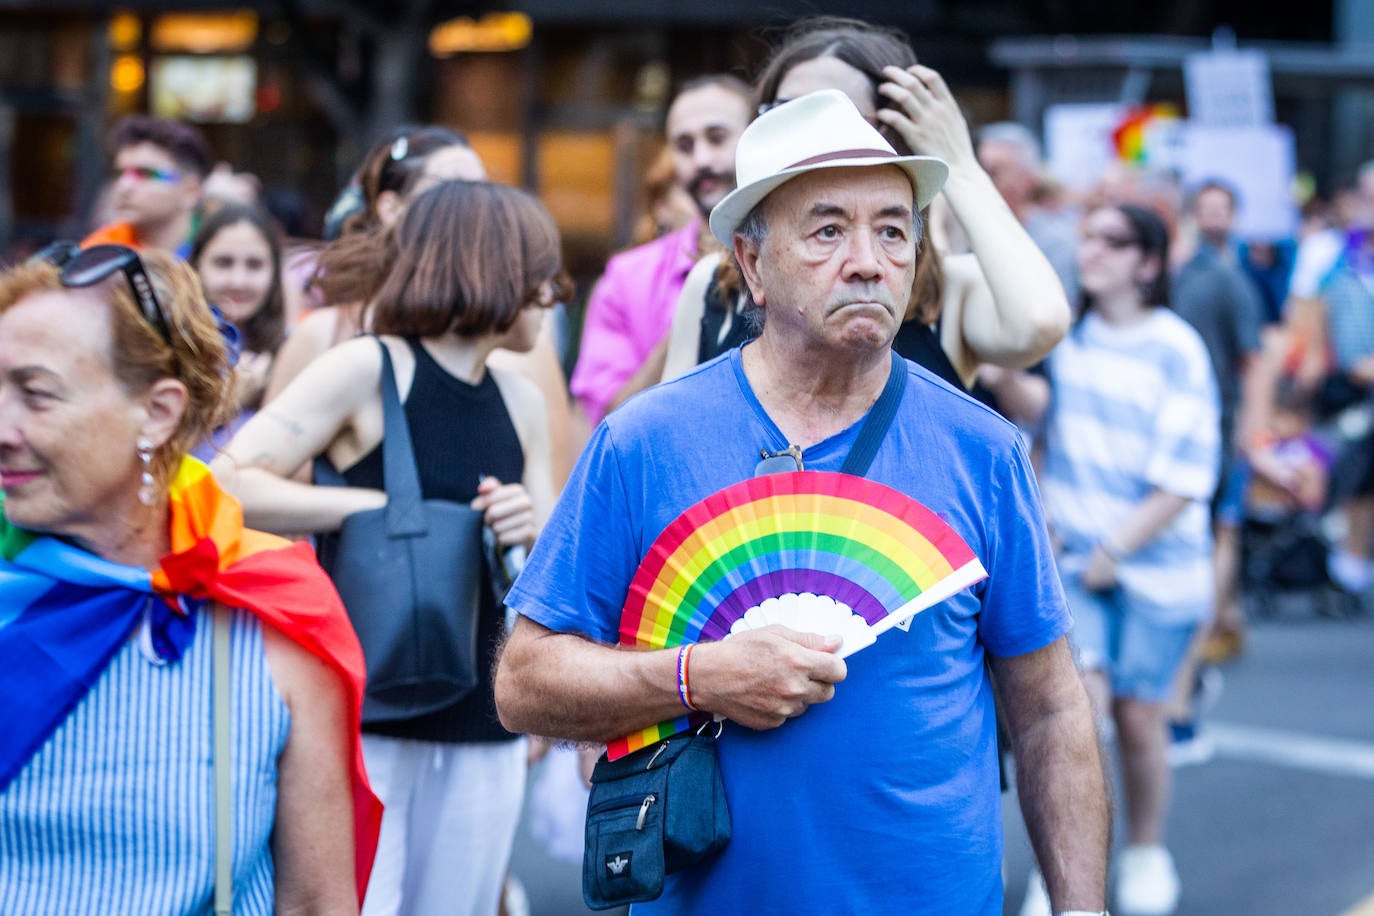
<point>1062,788</point>
<point>1059,774</point>
<point>564,686</point>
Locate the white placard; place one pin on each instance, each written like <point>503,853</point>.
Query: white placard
<point>1229,89</point>
<point>1166,143</point>
<point>1259,163</point>
<point>1078,142</point>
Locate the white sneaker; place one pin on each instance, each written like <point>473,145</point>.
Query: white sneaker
<point>1037,902</point>
<point>1146,882</point>
<point>1189,744</point>
<point>514,900</point>
<point>1350,572</point>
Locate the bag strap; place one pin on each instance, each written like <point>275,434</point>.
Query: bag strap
<point>405,516</point>
<point>224,833</point>
<point>879,419</point>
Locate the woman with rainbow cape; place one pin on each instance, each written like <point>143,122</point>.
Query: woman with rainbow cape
<point>119,555</point>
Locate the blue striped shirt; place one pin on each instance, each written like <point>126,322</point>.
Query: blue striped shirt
<point>1349,299</point>
<point>1135,409</point>
<point>115,814</point>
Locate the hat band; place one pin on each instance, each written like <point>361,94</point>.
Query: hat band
<point>844,154</point>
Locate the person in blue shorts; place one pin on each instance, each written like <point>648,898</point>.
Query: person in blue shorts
<point>1132,446</point>
<point>861,786</point>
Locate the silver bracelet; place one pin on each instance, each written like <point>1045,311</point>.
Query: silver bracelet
<point>1082,913</point>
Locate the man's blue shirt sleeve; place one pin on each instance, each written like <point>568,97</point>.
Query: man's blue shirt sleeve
<point>580,569</point>
<point>1023,602</point>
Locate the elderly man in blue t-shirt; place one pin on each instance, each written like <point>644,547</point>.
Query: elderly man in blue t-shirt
<point>867,785</point>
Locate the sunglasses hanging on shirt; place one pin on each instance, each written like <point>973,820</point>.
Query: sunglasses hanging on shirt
<point>783,462</point>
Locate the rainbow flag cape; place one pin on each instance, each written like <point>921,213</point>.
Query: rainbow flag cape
<point>64,613</point>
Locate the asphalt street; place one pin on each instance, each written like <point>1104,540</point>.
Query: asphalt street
<point>1279,822</point>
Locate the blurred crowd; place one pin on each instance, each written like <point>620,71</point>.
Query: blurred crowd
<point>1198,404</point>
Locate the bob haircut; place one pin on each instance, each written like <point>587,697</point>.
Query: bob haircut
<point>198,355</point>
<point>266,329</point>
<point>466,258</point>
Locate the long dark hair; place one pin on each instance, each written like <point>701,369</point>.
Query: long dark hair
<point>346,270</point>
<point>393,163</point>
<point>265,330</point>
<point>1152,237</point>
<point>866,47</point>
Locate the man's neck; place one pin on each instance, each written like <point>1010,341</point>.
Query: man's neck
<point>812,396</point>
<point>168,236</point>
<point>706,242</point>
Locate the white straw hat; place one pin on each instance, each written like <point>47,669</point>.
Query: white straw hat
<point>820,130</point>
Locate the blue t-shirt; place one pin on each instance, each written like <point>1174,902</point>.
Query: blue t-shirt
<point>886,798</point>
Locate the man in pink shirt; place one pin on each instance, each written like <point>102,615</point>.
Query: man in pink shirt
<point>631,308</point>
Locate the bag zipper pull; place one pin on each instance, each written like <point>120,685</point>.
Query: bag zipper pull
<point>654,759</point>
<point>644,811</point>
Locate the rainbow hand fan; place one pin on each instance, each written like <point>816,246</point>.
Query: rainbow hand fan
<point>817,551</point>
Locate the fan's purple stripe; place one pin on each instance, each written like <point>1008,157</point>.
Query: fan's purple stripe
<point>784,581</point>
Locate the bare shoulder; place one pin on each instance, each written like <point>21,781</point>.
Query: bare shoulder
<point>520,392</point>
<point>303,679</point>
<point>354,364</point>
<point>540,363</point>
<point>515,385</point>
<point>317,328</point>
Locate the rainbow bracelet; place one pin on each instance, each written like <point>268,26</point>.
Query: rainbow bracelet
<point>684,693</point>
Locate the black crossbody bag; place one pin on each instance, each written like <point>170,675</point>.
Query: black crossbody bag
<point>662,809</point>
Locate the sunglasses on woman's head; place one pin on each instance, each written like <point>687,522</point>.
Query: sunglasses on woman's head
<point>87,267</point>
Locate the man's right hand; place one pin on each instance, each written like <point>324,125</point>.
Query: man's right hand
<point>762,678</point>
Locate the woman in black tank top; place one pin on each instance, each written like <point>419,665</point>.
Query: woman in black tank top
<point>471,267</point>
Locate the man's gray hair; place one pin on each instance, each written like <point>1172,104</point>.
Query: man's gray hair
<point>754,230</point>
<point>1019,137</point>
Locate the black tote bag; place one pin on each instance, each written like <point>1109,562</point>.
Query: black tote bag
<point>409,575</point>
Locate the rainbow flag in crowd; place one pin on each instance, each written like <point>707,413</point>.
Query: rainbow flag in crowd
<point>1131,136</point>
<point>65,613</point>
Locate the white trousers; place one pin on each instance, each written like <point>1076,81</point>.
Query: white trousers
<point>450,819</point>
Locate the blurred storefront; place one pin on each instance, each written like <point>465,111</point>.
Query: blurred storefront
<point>66,77</point>
<point>563,96</point>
